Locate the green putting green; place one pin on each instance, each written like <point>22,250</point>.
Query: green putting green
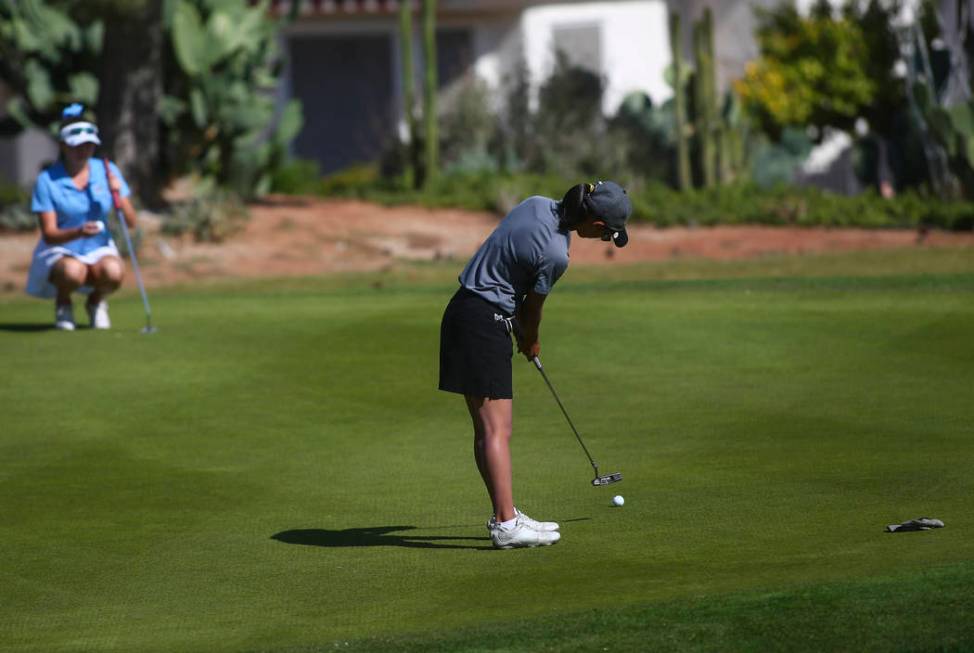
<point>275,470</point>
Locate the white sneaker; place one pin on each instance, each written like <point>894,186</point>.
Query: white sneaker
<point>98,315</point>
<point>64,317</point>
<point>521,535</point>
<point>542,526</point>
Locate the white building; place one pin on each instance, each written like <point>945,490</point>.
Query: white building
<point>345,56</point>
<point>344,60</point>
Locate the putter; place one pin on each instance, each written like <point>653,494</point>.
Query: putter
<point>599,480</point>
<point>148,328</point>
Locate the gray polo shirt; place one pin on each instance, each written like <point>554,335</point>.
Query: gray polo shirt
<point>527,251</point>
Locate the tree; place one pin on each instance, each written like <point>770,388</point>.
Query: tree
<point>131,88</point>
<point>813,70</point>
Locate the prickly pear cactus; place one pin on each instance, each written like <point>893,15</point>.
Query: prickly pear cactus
<point>46,58</point>
<point>220,102</point>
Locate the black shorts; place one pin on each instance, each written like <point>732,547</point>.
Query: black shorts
<point>475,348</point>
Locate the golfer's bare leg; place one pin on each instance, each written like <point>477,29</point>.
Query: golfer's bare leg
<point>67,275</point>
<point>479,445</point>
<point>105,277</point>
<point>492,419</point>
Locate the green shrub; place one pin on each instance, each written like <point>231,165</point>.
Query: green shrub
<point>210,216</point>
<point>17,217</point>
<point>297,177</point>
<point>468,127</point>
<point>12,194</point>
<point>656,203</point>
<point>789,205</point>
<point>354,181</point>
<point>15,214</point>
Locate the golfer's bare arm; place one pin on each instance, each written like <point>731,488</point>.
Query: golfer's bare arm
<point>128,210</point>
<point>53,235</point>
<point>123,202</point>
<point>529,317</point>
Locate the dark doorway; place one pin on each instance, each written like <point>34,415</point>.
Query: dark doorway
<point>454,54</point>
<point>345,85</point>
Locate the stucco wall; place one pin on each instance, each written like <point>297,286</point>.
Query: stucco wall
<point>634,43</point>
<point>21,157</point>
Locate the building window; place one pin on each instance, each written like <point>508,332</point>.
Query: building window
<point>580,45</point>
<point>454,55</point>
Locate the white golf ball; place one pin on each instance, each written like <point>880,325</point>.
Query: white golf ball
<point>617,500</point>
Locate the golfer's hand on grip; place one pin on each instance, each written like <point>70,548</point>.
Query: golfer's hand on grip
<point>529,321</point>
<point>113,182</point>
<point>529,349</point>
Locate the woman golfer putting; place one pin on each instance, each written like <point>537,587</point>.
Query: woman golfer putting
<point>507,280</point>
<point>72,199</point>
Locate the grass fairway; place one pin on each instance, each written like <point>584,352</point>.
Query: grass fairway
<point>275,471</point>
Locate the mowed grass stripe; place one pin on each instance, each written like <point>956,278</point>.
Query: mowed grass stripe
<point>767,432</point>
<point>905,612</point>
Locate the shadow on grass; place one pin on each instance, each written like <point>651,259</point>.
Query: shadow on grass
<point>26,327</point>
<point>375,536</point>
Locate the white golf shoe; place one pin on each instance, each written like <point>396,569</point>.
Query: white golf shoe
<point>98,315</point>
<point>64,317</point>
<point>542,526</point>
<point>520,535</point>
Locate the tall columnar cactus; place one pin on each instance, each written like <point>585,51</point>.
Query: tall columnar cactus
<point>946,127</point>
<point>733,133</point>
<point>408,83</point>
<point>46,59</point>
<point>683,176</point>
<point>221,101</point>
<point>705,98</point>
<point>952,128</point>
<point>432,139</point>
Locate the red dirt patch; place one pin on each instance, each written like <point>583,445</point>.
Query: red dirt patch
<point>303,236</point>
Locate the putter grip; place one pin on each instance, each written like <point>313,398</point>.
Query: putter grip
<point>115,199</point>
<point>537,362</point>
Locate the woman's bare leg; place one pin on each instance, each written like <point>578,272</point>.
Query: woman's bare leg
<point>105,277</point>
<point>492,424</point>
<point>67,275</point>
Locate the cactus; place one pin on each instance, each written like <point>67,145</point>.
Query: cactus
<point>684,180</point>
<point>952,128</point>
<point>705,103</point>
<point>412,129</point>
<point>432,140</point>
<point>226,65</point>
<point>45,59</point>
<point>733,135</point>
<point>222,68</point>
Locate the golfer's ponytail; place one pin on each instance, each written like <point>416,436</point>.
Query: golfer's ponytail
<point>573,208</point>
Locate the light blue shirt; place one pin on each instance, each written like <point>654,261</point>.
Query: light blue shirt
<point>527,251</point>
<point>54,191</point>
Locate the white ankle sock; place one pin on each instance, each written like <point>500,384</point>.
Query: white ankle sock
<point>506,525</point>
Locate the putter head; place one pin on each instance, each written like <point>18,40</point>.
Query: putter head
<point>607,479</point>
<point>149,329</point>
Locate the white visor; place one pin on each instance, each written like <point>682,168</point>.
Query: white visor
<point>78,133</point>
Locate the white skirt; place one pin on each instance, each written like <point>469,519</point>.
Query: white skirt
<point>45,256</point>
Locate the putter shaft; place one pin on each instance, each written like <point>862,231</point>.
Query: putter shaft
<point>537,364</point>
<point>132,257</point>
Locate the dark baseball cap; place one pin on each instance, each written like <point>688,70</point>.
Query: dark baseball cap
<point>609,202</point>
